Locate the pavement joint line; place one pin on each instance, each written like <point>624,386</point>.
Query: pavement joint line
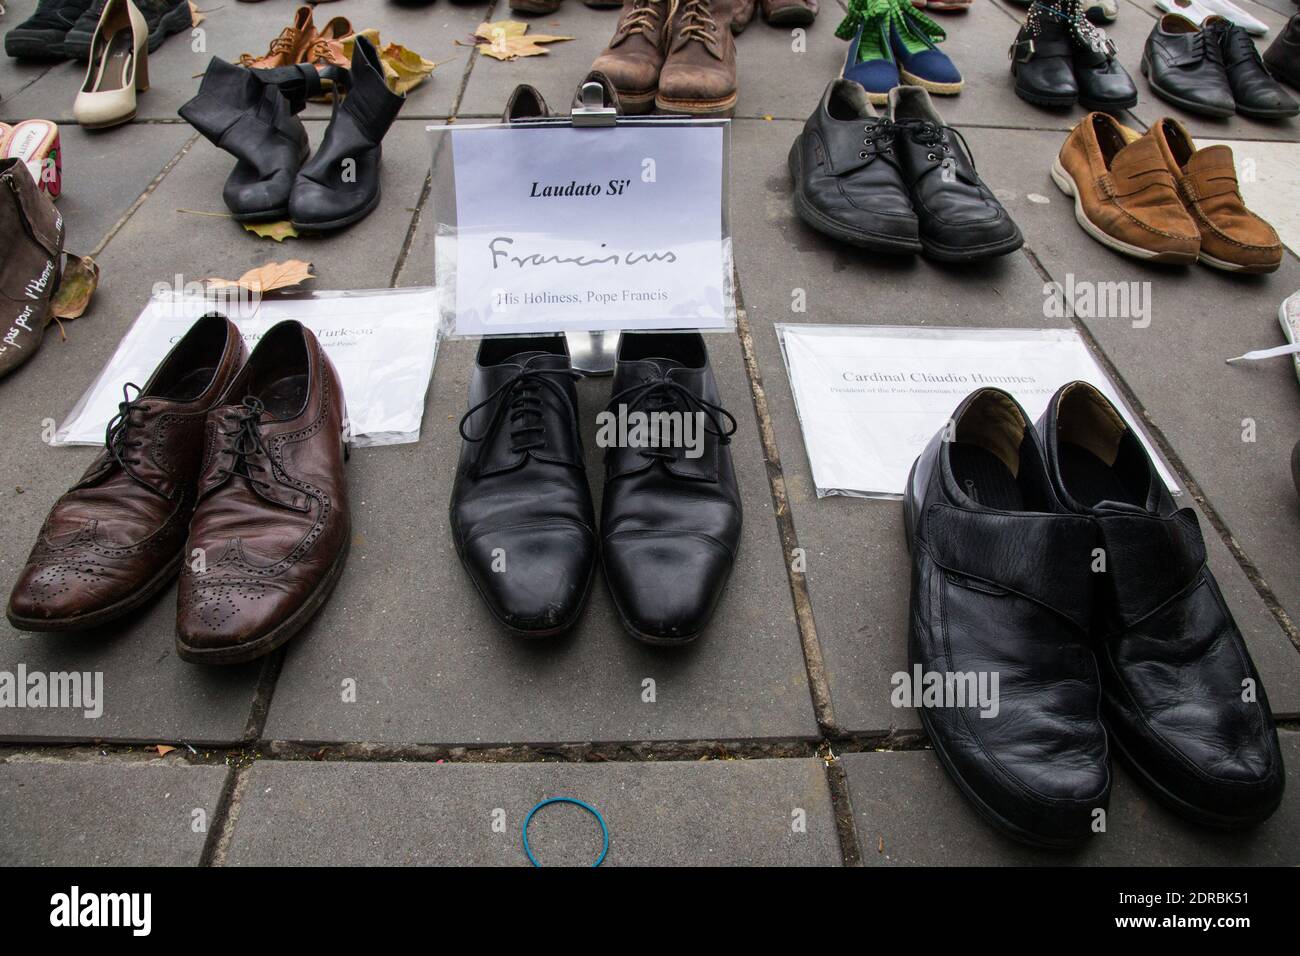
<point>221,829</point>
<point>139,200</point>
<point>473,57</point>
<point>1262,588</point>
<point>814,662</point>
<point>261,705</point>
<point>39,76</point>
<point>837,782</point>
<point>416,214</point>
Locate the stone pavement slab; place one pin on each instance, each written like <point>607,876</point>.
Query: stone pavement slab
<point>109,812</point>
<point>908,812</point>
<point>150,694</point>
<point>698,813</point>
<point>175,67</point>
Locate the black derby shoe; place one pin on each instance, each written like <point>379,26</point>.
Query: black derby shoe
<point>1042,60</point>
<point>1258,95</point>
<point>521,511</point>
<point>1184,65</point>
<point>1002,588</point>
<point>671,514</point>
<point>960,220</point>
<point>1180,696</point>
<point>846,178</point>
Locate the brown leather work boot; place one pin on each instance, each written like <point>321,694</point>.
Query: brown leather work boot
<point>1232,237</point>
<point>289,47</point>
<point>272,524</point>
<point>635,54</point>
<point>699,74</point>
<point>790,13</point>
<point>31,266</point>
<point>1124,194</point>
<point>327,48</point>
<point>115,539</point>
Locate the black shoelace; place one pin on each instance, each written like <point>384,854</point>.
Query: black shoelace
<point>934,137</point>
<point>245,444</point>
<point>879,139</point>
<point>117,437</point>
<point>1235,45</point>
<point>522,402</point>
<point>662,394</point>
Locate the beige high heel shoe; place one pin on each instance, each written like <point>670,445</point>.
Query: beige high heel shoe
<point>118,67</point>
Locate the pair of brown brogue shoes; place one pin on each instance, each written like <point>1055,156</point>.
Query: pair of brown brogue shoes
<point>225,467</point>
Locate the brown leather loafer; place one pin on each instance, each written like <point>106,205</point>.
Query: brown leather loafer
<point>1232,237</point>
<point>635,54</point>
<point>699,74</point>
<point>272,526</point>
<point>31,266</point>
<point>1124,194</point>
<point>116,538</point>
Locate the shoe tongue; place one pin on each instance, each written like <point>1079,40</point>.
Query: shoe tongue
<point>664,365</point>
<point>1122,507</point>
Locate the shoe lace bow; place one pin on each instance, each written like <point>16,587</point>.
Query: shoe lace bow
<point>520,401</point>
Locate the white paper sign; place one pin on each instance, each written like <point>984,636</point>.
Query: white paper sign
<point>382,343</point>
<point>871,397</point>
<point>585,229</point>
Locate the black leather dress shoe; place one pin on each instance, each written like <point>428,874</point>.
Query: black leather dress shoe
<point>1001,589</point>
<point>959,219</point>
<point>671,515</point>
<point>1257,94</point>
<point>252,114</point>
<point>847,183</point>
<point>1283,55</point>
<point>1184,65</point>
<point>521,511</point>
<point>1180,696</point>
<point>340,184</point>
<point>1042,60</point>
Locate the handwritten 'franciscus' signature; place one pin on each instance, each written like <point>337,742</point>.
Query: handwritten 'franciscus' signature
<point>501,257</point>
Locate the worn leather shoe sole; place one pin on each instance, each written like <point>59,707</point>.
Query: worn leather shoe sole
<point>1065,182</point>
<point>295,622</point>
<point>930,86</point>
<point>637,102</point>
<point>35,44</point>
<point>1257,268</point>
<point>696,107</point>
<point>838,230</point>
<point>1189,105</point>
<point>105,615</point>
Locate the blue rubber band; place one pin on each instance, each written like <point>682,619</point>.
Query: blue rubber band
<point>577,803</point>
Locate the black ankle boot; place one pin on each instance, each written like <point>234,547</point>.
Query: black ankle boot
<point>1103,84</point>
<point>251,115</point>
<point>1042,60</point>
<point>341,183</point>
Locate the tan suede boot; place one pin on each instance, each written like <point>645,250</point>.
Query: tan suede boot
<point>635,55</point>
<point>699,75</point>
<point>1124,194</point>
<point>1232,237</point>
<point>289,47</point>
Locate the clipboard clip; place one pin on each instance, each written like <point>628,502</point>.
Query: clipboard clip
<point>593,111</point>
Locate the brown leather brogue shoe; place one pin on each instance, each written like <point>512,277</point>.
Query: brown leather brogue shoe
<point>272,526</point>
<point>31,265</point>
<point>289,47</point>
<point>635,54</point>
<point>699,74</point>
<point>1232,237</point>
<point>1124,194</point>
<point>116,538</point>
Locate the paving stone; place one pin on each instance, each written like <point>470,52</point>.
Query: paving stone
<point>1284,7</point>
<point>175,67</point>
<point>1198,318</point>
<point>150,693</point>
<point>110,812</point>
<point>699,813</point>
<point>908,812</point>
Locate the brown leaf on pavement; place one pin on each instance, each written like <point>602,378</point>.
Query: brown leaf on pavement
<point>279,231</point>
<point>164,750</point>
<point>268,277</point>
<point>80,278</point>
<point>509,39</point>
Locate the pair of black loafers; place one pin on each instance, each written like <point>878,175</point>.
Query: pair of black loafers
<point>901,183</point>
<point>1059,59</point>
<point>521,510</point>
<point>1052,557</point>
<point>252,114</point>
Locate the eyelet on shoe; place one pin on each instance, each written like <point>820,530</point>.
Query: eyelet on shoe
<point>862,155</point>
<point>947,148</point>
<point>931,157</point>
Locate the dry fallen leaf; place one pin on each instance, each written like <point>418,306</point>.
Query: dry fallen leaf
<point>404,69</point>
<point>507,39</point>
<point>197,16</point>
<point>268,277</point>
<point>279,231</point>
<point>80,277</point>
<point>164,750</point>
